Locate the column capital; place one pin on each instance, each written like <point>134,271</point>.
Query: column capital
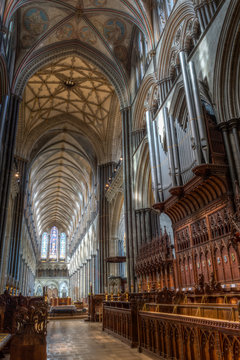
<point>18,97</point>
<point>234,122</point>
<point>223,126</point>
<point>126,108</point>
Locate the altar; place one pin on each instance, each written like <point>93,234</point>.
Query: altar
<point>63,309</point>
<point>56,301</point>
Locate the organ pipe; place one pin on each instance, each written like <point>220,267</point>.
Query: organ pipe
<point>190,106</point>
<point>170,145</point>
<point>152,155</point>
<point>175,151</point>
<point>158,159</point>
<point>199,113</point>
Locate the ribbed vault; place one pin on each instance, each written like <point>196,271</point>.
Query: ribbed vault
<point>69,86</point>
<point>69,119</point>
<point>60,180</point>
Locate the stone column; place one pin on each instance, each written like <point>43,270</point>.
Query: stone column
<point>8,143</point>
<point>138,229</point>
<point>223,127</point>
<point>78,283</point>
<point>128,201</point>
<point>234,124</point>
<point>104,173</point>
<point>148,225</point>
<point>143,229</point>
<point>17,220</point>
<point>88,275</point>
<point>5,103</point>
<point>93,273</point>
<point>84,280</point>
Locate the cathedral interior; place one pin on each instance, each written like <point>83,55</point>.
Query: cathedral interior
<point>120,179</point>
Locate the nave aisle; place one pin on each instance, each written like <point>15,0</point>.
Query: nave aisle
<point>81,340</point>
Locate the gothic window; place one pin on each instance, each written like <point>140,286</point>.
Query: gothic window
<point>62,254</point>
<point>44,249</point>
<point>53,243</point>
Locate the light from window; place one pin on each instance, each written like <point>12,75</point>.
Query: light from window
<point>44,249</point>
<point>53,243</point>
<point>62,246</point>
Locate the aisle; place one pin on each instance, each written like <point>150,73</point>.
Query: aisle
<point>80,340</point>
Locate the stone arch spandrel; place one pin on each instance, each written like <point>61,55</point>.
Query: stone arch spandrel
<point>140,104</point>
<point>170,41</point>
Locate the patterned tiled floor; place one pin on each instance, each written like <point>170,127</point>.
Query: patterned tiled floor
<point>80,340</point>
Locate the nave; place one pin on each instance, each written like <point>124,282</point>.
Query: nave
<point>120,179</point>
<point>81,340</point>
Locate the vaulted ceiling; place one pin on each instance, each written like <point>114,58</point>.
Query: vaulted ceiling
<point>70,113</point>
<point>106,26</point>
<point>69,123</point>
<point>72,87</point>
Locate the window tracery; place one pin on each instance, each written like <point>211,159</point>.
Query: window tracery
<point>62,255</point>
<point>54,246</point>
<point>53,243</point>
<point>44,248</point>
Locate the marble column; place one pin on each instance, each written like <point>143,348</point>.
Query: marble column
<point>104,173</point>
<point>138,229</point>
<point>88,275</point>
<point>234,126</point>
<point>17,221</point>
<point>84,280</point>
<point>80,282</point>
<point>7,146</point>
<point>129,216</point>
<point>93,273</point>
<point>224,128</point>
<point>148,225</point>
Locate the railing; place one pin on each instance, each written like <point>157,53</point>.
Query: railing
<point>186,337</point>
<point>177,326</point>
<point>228,312</point>
<point>120,319</point>
<point>95,304</point>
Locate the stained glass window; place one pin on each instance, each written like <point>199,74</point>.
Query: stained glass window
<point>62,246</point>
<point>44,249</point>
<point>53,243</point>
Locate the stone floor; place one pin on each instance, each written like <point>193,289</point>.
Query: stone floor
<point>81,340</point>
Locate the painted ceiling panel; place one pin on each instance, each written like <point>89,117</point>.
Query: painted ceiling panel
<point>107,26</point>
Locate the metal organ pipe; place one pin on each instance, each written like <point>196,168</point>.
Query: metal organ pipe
<point>170,145</point>
<point>158,159</point>
<point>152,155</point>
<point>190,106</point>
<point>199,113</point>
<point>175,151</point>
